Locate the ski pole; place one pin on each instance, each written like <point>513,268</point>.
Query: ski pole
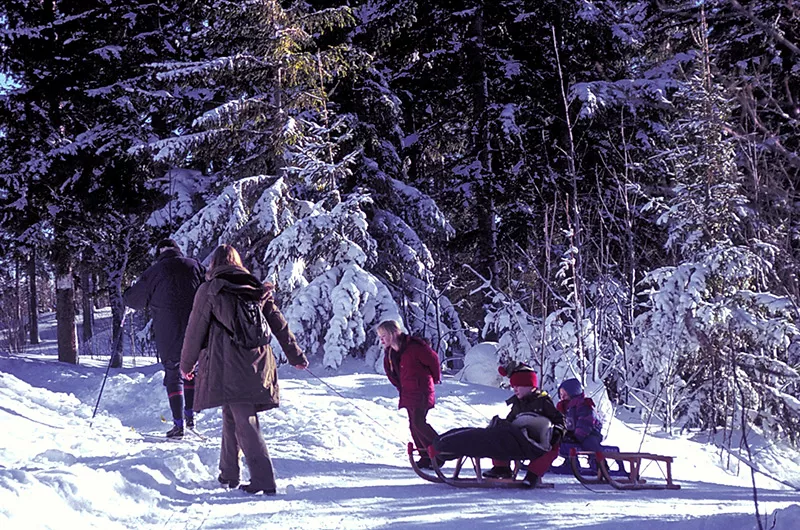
<point>110,360</point>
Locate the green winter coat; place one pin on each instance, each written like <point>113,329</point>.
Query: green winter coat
<point>226,372</point>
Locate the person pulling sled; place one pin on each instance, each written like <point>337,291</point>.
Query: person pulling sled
<point>413,368</point>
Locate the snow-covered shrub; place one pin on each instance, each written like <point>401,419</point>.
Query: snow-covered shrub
<point>480,365</point>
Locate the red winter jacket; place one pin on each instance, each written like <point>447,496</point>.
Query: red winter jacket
<point>413,371</point>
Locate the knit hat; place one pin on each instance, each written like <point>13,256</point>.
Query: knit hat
<point>167,243</point>
<point>522,375</point>
<point>572,387</point>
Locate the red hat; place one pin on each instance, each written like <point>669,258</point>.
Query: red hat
<point>522,375</point>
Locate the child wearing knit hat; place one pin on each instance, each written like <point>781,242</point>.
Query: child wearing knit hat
<point>527,398</point>
<point>510,439</point>
<point>521,375</point>
<point>584,429</point>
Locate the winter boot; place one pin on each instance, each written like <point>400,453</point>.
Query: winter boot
<point>188,418</point>
<point>498,472</point>
<point>249,488</point>
<point>228,482</point>
<point>177,430</point>
<point>433,453</point>
<point>424,463</point>
<point>531,480</point>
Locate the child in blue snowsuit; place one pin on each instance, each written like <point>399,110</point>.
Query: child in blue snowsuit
<point>584,430</point>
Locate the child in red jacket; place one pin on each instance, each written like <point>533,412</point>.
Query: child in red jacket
<point>413,368</point>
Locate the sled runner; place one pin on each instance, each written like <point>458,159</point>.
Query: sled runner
<point>422,473</point>
<point>455,478</point>
<point>630,482</point>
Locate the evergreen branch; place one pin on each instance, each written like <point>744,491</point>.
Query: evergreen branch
<point>766,28</point>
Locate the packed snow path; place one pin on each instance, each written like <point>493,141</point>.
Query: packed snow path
<point>339,457</point>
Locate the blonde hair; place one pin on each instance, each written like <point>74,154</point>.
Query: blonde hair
<point>390,326</point>
<point>224,255</point>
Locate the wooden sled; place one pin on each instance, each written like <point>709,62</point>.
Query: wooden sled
<point>633,481</point>
<point>454,478</point>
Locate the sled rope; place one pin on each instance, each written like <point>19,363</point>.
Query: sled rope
<point>470,406</point>
<point>350,401</point>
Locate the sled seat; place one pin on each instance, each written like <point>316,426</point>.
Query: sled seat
<point>633,481</point>
<point>590,469</point>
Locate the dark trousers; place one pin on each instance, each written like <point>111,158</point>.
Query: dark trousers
<point>421,431</point>
<point>180,391</point>
<point>502,442</point>
<point>240,430</point>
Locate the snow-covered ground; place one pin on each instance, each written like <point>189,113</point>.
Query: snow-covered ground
<point>338,446</point>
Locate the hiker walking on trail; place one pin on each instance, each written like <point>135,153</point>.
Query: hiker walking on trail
<point>168,287</point>
<point>236,369</point>
<point>413,368</point>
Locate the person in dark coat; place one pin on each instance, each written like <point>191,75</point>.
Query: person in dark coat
<point>168,287</point>
<point>413,368</point>
<point>242,381</point>
<point>584,430</point>
<point>522,435</point>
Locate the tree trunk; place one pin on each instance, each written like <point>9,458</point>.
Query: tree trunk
<point>116,269</point>
<point>65,313</point>
<point>33,300</point>
<point>87,305</point>
<point>482,146</point>
<point>19,321</point>
<point>117,310</point>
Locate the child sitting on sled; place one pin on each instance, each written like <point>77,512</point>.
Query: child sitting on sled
<point>532,430</point>
<point>584,430</point>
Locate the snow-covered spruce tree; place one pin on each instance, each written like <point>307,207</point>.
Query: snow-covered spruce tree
<point>70,122</point>
<point>714,341</point>
<point>472,136</point>
<point>522,158</point>
<point>407,222</point>
<point>618,123</point>
<point>282,187</point>
<point>757,46</point>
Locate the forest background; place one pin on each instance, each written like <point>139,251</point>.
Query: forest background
<point>604,189</point>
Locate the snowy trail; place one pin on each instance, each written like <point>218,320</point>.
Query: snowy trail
<point>339,456</point>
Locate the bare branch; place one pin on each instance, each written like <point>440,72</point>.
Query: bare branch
<point>766,28</point>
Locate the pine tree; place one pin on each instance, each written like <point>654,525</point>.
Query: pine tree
<point>504,152</point>
<point>713,340</point>
<point>314,202</point>
<point>70,124</point>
